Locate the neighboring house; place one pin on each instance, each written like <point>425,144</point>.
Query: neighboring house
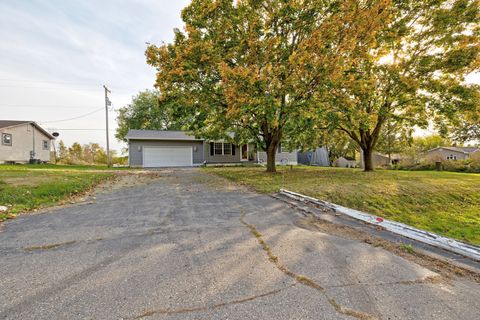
<point>157,148</point>
<point>318,157</point>
<point>379,160</point>
<point>344,162</point>
<point>23,141</point>
<point>450,153</point>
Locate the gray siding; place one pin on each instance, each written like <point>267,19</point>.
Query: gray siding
<point>135,149</point>
<point>216,158</point>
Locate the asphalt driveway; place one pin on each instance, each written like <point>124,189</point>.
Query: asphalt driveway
<point>192,246</point>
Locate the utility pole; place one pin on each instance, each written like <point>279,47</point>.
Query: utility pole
<point>107,104</point>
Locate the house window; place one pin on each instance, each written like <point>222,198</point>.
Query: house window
<point>451,157</point>
<point>282,148</point>
<point>45,144</point>
<point>227,149</point>
<point>218,147</point>
<point>6,139</point>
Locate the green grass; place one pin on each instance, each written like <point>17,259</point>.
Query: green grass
<point>446,203</point>
<point>408,248</point>
<point>49,166</point>
<point>23,188</point>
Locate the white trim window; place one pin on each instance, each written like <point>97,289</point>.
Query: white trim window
<point>227,149</point>
<point>45,144</point>
<point>452,157</point>
<point>218,148</point>
<point>222,149</point>
<point>7,139</point>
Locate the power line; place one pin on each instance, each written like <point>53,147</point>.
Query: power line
<point>46,81</point>
<point>48,88</point>
<point>45,106</point>
<point>86,129</point>
<point>57,82</point>
<point>74,118</point>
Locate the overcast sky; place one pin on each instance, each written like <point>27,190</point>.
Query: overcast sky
<point>56,55</point>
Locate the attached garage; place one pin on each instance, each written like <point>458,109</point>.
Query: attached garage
<point>171,156</point>
<point>160,149</point>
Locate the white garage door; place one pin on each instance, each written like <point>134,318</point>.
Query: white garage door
<point>167,157</point>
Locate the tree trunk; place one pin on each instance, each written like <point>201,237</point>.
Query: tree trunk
<point>367,158</point>
<point>271,153</point>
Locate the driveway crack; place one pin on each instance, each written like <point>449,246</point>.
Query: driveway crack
<point>169,312</point>
<point>304,280</point>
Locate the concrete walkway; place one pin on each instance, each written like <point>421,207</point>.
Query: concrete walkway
<point>192,246</point>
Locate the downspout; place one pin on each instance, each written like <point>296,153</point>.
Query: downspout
<point>33,135</point>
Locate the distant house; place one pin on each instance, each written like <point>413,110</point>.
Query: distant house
<point>317,157</point>
<point>23,141</point>
<point>383,160</point>
<point>345,162</point>
<point>161,148</point>
<point>450,153</point>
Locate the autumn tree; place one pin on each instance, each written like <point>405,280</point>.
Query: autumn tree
<point>92,152</point>
<point>62,151</point>
<point>413,71</point>
<point>255,68</point>
<point>147,112</point>
<point>76,151</point>
<point>465,125</point>
<point>394,138</point>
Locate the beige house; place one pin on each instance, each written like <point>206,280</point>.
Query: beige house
<point>22,141</point>
<point>440,154</point>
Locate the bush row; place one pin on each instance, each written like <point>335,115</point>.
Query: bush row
<point>471,166</point>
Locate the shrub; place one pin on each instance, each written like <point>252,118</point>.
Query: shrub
<point>469,165</point>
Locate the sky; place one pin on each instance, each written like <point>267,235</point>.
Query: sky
<point>55,57</point>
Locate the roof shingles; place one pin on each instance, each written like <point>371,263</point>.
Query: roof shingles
<point>11,123</point>
<point>14,123</point>
<point>160,135</point>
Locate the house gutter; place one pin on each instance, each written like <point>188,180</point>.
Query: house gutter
<point>423,236</point>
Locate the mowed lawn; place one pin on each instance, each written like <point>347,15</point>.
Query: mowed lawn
<point>24,187</point>
<point>443,202</point>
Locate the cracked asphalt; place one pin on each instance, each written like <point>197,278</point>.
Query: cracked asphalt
<point>193,246</point>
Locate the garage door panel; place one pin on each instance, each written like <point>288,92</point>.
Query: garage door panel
<point>167,157</point>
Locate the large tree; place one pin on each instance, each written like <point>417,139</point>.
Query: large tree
<point>412,72</point>
<point>256,68</point>
<point>147,112</point>
<point>463,126</point>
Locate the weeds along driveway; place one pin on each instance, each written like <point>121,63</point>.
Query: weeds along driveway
<point>190,245</point>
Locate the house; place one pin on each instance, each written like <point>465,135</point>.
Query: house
<point>159,148</point>
<point>23,141</point>
<point>440,154</point>
<point>380,160</point>
<point>345,162</point>
<point>317,157</point>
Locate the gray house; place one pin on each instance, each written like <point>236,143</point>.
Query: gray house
<point>157,148</point>
<point>450,153</point>
<point>23,141</point>
<point>317,157</point>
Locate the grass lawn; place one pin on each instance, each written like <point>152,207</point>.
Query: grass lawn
<point>49,166</point>
<point>446,203</point>
<point>23,187</point>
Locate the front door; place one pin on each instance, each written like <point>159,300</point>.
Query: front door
<point>244,154</point>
